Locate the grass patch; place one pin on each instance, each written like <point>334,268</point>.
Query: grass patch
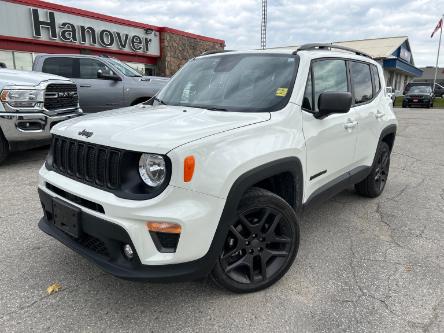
<point>438,102</point>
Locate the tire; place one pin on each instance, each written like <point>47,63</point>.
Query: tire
<point>260,246</point>
<point>374,184</point>
<point>4,148</point>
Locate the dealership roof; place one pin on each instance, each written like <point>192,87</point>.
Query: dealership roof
<point>376,47</point>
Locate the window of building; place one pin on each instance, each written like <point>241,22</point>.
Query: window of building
<point>329,75</point>
<point>62,66</point>
<point>23,61</point>
<point>7,58</point>
<point>361,81</point>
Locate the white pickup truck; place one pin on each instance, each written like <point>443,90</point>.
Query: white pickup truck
<point>30,105</point>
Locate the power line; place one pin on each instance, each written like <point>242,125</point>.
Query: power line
<point>264,25</point>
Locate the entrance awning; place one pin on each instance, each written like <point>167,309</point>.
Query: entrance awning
<point>402,66</point>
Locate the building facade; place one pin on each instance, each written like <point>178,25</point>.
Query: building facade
<point>31,27</point>
<point>395,56</point>
<point>428,75</point>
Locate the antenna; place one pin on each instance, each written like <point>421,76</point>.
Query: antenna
<point>264,25</point>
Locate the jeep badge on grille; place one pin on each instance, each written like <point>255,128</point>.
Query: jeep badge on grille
<point>86,134</point>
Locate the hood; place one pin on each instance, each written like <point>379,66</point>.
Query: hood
<point>12,77</point>
<point>156,129</point>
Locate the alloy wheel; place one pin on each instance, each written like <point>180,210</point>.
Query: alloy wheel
<point>257,246</point>
<point>382,169</point>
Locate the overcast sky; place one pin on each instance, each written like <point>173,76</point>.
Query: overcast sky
<point>290,22</point>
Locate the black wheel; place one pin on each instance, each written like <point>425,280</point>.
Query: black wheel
<point>260,246</point>
<point>4,148</point>
<point>374,184</point>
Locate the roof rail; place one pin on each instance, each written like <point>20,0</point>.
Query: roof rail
<point>329,46</point>
<point>215,51</point>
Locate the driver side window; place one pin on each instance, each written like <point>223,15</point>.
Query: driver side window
<point>329,75</point>
<point>90,67</point>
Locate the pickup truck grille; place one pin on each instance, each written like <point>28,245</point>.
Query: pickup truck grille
<point>61,96</point>
<point>85,162</point>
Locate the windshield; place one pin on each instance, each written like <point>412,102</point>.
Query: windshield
<point>124,68</point>
<point>235,82</point>
<point>420,89</point>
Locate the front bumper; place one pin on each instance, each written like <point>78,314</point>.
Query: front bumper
<point>101,233</point>
<point>22,128</point>
<point>418,102</point>
<point>197,213</point>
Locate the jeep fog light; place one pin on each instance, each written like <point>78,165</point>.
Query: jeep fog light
<point>152,169</point>
<point>128,251</point>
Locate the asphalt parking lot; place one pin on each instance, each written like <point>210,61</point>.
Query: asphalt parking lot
<point>363,265</point>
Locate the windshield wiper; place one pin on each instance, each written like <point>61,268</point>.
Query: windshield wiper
<point>159,100</point>
<point>216,109</point>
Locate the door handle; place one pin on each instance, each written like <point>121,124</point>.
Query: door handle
<point>350,124</point>
<point>379,114</point>
<point>85,86</point>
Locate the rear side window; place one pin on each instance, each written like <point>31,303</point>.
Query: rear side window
<point>376,79</point>
<point>59,66</point>
<point>362,82</point>
<point>90,67</point>
<point>328,76</point>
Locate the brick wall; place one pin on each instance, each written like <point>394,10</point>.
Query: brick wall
<point>177,50</point>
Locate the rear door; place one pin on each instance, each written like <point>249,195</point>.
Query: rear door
<point>98,94</point>
<point>330,141</point>
<point>367,110</point>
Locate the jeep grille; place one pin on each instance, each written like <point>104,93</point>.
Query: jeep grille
<point>90,163</point>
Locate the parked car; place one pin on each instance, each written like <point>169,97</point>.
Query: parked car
<point>418,96</point>
<point>409,85</point>
<point>390,94</point>
<point>439,90</point>
<point>211,175</point>
<point>30,105</point>
<point>103,83</point>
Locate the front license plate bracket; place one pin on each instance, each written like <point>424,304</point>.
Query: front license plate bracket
<point>67,217</point>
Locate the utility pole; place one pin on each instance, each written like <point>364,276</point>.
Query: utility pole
<point>437,56</point>
<point>264,25</point>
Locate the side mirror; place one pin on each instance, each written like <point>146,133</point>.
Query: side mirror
<point>2,65</point>
<point>101,75</point>
<point>333,102</point>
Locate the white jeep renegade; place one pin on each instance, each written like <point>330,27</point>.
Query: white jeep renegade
<point>211,176</point>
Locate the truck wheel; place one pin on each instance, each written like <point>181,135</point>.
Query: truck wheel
<point>374,184</point>
<point>4,148</point>
<point>260,246</point>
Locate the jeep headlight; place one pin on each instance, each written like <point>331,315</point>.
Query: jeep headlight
<point>152,169</point>
<point>26,98</point>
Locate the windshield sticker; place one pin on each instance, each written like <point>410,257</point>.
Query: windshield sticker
<point>281,92</point>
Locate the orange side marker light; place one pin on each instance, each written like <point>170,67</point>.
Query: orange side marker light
<point>188,168</point>
<point>165,227</point>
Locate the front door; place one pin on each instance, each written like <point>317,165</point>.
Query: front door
<point>98,94</point>
<point>330,142</point>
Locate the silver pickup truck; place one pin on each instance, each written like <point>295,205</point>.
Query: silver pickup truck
<point>30,105</point>
<point>103,83</point>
